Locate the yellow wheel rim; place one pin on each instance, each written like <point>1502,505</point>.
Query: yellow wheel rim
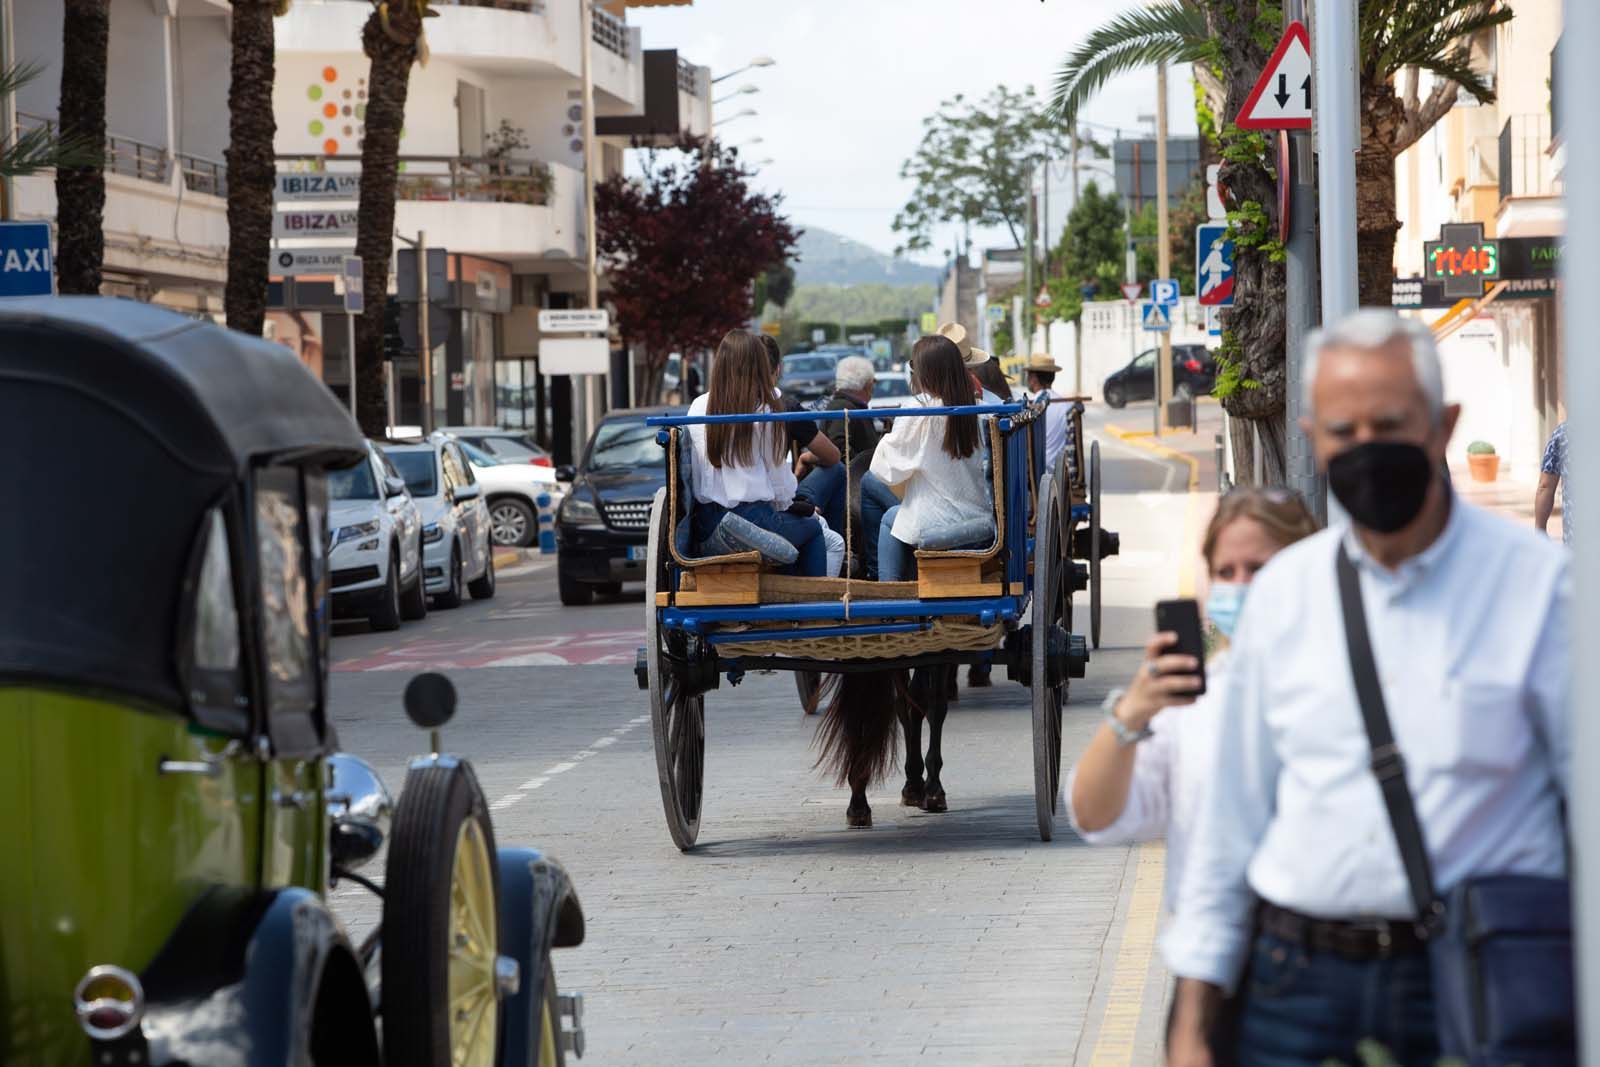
<point>474,1004</point>
<point>547,1037</point>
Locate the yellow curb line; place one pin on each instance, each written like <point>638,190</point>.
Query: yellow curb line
<point>505,557</point>
<point>1186,583</point>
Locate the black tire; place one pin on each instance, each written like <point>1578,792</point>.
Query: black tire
<point>420,936</point>
<point>482,587</point>
<point>574,594</point>
<point>451,597</point>
<point>1094,546</point>
<point>386,616</point>
<point>513,522</point>
<point>677,720</point>
<point>609,588</point>
<point>809,685</point>
<point>1115,397</point>
<point>1051,604</point>
<point>414,601</point>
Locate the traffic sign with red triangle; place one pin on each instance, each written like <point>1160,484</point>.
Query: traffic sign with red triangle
<point>1281,98</point>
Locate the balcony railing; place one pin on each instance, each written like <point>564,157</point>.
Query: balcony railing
<point>535,6</point>
<point>204,175</point>
<point>610,33</point>
<point>123,155</point>
<point>1525,168</point>
<point>688,77</point>
<point>455,178</point>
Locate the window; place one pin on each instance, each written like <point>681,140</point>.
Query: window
<point>624,445</point>
<point>1146,360</point>
<point>286,589</point>
<point>478,456</point>
<point>418,469</point>
<point>213,674</point>
<point>357,483</point>
<point>453,476</point>
<point>466,468</point>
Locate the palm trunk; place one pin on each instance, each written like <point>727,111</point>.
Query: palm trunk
<point>81,191</point>
<point>251,166</point>
<point>392,50</point>
<point>1382,117</point>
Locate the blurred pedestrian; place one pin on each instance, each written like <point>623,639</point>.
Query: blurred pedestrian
<point>1553,470</point>
<point>1294,877</point>
<point>1041,371</point>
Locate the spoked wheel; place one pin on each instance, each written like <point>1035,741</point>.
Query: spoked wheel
<point>1051,603</point>
<point>1094,544</point>
<point>677,720</point>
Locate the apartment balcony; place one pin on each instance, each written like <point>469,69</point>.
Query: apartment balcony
<point>677,100</point>
<point>1530,192</point>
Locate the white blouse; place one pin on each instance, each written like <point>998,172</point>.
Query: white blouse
<point>733,484</point>
<point>939,490</point>
<point>1169,780</point>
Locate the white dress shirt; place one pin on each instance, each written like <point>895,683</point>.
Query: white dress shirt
<point>1055,426</point>
<point>733,484</point>
<point>939,490</point>
<point>1171,770</point>
<point>1470,640</point>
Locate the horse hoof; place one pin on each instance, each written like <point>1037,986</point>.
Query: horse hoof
<point>934,803</point>
<point>859,820</point>
<point>912,796</point>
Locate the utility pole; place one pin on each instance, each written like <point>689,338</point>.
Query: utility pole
<point>1163,247</point>
<point>1027,272</point>
<point>1300,311</point>
<point>1075,191</point>
<point>1578,81</point>
<point>591,390</point>
<point>424,340</point>
<point>8,112</point>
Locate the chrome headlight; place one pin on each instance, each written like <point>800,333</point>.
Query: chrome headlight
<point>578,510</point>
<point>431,533</point>
<point>360,529</point>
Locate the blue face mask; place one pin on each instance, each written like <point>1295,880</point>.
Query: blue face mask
<point>1223,605</point>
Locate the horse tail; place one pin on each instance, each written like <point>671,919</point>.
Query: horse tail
<point>855,739</point>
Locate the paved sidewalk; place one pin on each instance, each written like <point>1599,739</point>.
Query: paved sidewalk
<point>1509,495</point>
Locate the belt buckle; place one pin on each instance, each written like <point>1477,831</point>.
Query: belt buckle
<point>1385,938</point>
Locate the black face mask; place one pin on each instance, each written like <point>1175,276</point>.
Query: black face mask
<point>1382,484</point>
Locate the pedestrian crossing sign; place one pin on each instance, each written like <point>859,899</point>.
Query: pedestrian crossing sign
<point>1156,317</point>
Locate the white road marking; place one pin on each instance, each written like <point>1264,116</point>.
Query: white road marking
<point>603,742</point>
<point>640,719</point>
<point>560,768</point>
<point>533,783</point>
<point>506,801</point>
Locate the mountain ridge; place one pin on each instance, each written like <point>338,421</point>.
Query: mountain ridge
<point>823,257</point>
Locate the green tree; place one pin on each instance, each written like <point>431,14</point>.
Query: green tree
<point>1182,218</point>
<point>972,167</point>
<point>1091,251</point>
<point>774,287</point>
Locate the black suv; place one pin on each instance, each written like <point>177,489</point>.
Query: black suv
<point>1194,372</point>
<point>602,525</point>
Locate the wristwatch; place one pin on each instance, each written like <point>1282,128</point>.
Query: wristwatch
<point>1125,735</point>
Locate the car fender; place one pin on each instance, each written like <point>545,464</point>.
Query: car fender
<point>539,911</point>
<point>239,981</point>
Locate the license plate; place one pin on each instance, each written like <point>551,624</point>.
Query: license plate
<point>638,553</point>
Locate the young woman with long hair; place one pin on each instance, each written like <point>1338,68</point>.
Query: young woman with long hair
<point>743,467</point>
<point>934,463</point>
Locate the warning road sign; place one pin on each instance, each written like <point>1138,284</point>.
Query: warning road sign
<point>1281,99</point>
<point>1131,291</point>
<point>1155,316</point>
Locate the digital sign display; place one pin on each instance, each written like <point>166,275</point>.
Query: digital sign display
<point>1461,260</point>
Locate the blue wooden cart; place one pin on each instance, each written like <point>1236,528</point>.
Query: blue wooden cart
<point>1009,603</point>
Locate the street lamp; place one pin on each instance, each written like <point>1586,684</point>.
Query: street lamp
<point>751,141</point>
<point>743,90</point>
<point>758,61</point>
<point>737,115</point>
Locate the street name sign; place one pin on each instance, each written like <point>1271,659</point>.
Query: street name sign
<point>1164,291</point>
<point>318,187</point>
<point>291,262</point>
<point>1213,264</point>
<point>1281,98</point>
<point>25,261</point>
<point>573,320</point>
<point>1155,317</point>
<point>1131,291</point>
<point>354,300</point>
<point>314,222</point>
<point>574,355</point>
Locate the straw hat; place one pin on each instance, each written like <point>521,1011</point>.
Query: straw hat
<point>1040,362</point>
<point>957,333</point>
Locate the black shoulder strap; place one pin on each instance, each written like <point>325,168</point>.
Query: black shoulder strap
<point>1387,763</point>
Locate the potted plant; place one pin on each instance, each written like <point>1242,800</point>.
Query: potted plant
<point>1482,461</point>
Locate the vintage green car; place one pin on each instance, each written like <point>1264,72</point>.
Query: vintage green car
<point>172,807</point>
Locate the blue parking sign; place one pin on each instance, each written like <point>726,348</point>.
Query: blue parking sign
<point>26,267</point>
<point>1164,291</point>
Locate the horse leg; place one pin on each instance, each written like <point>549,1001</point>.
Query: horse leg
<point>938,705</point>
<point>911,725</point>
<point>858,816</point>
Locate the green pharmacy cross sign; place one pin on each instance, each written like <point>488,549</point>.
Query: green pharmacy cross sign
<point>1461,259</point>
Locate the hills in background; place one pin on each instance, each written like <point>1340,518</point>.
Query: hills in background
<point>827,258</point>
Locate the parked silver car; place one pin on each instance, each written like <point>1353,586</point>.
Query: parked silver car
<point>374,545</point>
<point>456,540</point>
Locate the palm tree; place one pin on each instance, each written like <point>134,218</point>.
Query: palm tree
<point>393,39</point>
<point>1166,31</point>
<point>42,147</point>
<point>251,166</point>
<point>81,190</point>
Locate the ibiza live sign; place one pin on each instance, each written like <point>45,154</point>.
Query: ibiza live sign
<point>1461,259</point>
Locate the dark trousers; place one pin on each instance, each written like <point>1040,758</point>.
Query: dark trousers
<point>1305,1008</point>
<point>823,487</point>
<point>803,533</point>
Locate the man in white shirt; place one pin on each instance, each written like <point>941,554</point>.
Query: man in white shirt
<point>1042,371</point>
<point>1467,617</point>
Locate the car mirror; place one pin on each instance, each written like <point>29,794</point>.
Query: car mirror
<point>566,473</point>
<point>467,492</point>
<point>359,811</point>
<point>394,486</point>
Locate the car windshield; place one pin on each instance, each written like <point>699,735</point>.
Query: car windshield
<point>478,456</point>
<point>356,483</point>
<point>625,444</point>
<point>417,468</point>
<point>808,364</point>
<point>892,387</point>
<point>504,448</point>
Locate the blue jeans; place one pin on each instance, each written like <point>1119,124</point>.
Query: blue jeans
<point>824,488</point>
<point>803,533</point>
<point>897,561</point>
<point>876,501</point>
<point>1303,1008</point>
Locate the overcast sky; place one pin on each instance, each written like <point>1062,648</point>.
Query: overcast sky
<point>844,105</point>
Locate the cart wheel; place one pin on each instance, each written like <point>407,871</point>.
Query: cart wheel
<point>441,927</point>
<point>677,721</point>
<point>1094,544</point>
<point>1050,606</point>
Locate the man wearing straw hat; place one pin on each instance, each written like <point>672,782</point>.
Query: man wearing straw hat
<point>1042,371</point>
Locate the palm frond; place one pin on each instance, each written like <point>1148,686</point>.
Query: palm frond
<point>1172,31</point>
<point>43,147</point>
<point>1397,35</point>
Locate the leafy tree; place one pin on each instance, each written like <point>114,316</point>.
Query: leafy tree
<point>1090,255</point>
<point>683,246</point>
<point>251,164</point>
<point>972,166</point>
<point>81,189</point>
<point>774,287</point>
<point>1182,218</point>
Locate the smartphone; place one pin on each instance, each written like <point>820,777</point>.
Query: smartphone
<point>1182,617</point>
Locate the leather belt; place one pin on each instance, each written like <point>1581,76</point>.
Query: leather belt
<point>1353,939</point>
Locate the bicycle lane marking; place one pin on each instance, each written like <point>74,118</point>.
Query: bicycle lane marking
<point>543,778</point>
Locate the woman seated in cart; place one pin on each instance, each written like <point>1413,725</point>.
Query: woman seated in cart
<point>935,464</point>
<point>742,468</point>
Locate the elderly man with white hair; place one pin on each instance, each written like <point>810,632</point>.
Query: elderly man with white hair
<point>1296,895</point>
